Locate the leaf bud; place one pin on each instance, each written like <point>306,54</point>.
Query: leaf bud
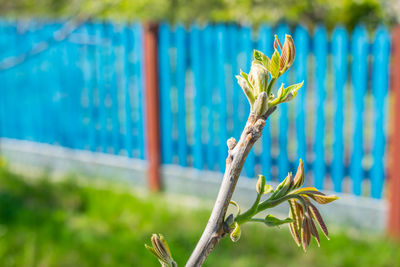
<point>258,77</point>
<point>261,104</point>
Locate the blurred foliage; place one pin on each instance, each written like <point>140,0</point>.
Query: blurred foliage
<point>310,12</point>
<point>64,223</point>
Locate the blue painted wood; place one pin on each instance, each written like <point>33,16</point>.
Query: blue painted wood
<point>19,47</point>
<point>283,160</point>
<point>231,71</point>
<point>127,44</point>
<point>245,58</point>
<point>105,97</point>
<point>380,77</point>
<point>195,55</point>
<point>320,53</point>
<point>301,40</point>
<point>209,60</point>
<point>234,41</point>
<point>101,87</point>
<point>265,45</point>
<point>140,89</point>
<point>121,73</point>
<point>339,56</point>
<point>359,67</point>
<point>22,82</point>
<point>165,93</point>
<point>89,84</point>
<point>181,36</point>
<point>22,79</point>
<point>73,84</point>
<point>222,103</point>
<point>49,64</point>
<point>47,105</point>
<point>3,87</point>
<point>9,77</point>
<point>114,92</point>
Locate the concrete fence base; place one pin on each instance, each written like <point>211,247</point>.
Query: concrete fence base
<point>25,156</point>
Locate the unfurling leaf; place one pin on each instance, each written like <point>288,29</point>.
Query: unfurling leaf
<point>286,94</point>
<point>271,220</point>
<point>274,66</point>
<point>258,77</point>
<point>314,231</point>
<point>323,199</point>
<point>161,250</point>
<point>268,189</point>
<point>305,234</point>
<point>298,180</point>
<point>318,218</point>
<point>316,195</point>
<point>277,42</point>
<point>284,186</point>
<point>236,232</point>
<point>296,213</point>
<point>288,54</point>
<point>260,184</point>
<point>261,57</point>
<point>246,87</point>
<point>236,205</point>
<point>295,234</point>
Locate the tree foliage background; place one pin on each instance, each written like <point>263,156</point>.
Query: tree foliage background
<point>309,12</point>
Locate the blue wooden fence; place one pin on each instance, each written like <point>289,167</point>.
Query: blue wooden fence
<point>87,93</point>
<point>337,123</point>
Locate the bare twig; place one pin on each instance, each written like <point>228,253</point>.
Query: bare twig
<point>216,229</point>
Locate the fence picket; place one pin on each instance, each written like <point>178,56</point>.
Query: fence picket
<point>301,39</point>
<point>380,77</point>
<point>138,37</point>
<point>127,44</point>
<point>181,87</point>
<point>209,46</point>
<point>359,69</point>
<point>165,93</point>
<point>339,52</point>
<point>222,103</point>
<point>321,53</point>
<point>101,87</point>
<point>195,54</point>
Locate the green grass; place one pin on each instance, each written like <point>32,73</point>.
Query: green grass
<point>45,223</point>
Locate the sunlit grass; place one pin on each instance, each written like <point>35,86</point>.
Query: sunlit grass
<point>64,223</point>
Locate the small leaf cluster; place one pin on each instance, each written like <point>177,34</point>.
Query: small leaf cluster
<point>303,214</point>
<point>161,250</point>
<point>258,84</point>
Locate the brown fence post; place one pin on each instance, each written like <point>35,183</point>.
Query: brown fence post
<point>394,142</point>
<point>152,104</point>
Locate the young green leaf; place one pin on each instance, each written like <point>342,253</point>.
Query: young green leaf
<point>236,205</point>
<point>271,220</point>
<point>261,57</point>
<point>268,189</point>
<point>286,94</point>
<point>274,67</point>
<point>235,234</point>
<point>246,87</point>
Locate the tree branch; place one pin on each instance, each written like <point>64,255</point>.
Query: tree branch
<point>237,154</point>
